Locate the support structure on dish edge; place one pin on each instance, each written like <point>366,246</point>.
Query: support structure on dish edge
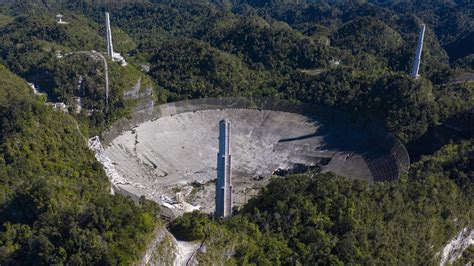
<point>117,57</point>
<point>110,46</point>
<point>224,179</point>
<point>419,48</point>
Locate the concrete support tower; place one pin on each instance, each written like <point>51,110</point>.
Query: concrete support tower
<point>419,48</point>
<point>224,180</point>
<point>110,47</point>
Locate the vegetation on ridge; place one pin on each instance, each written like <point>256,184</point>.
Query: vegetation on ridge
<point>55,206</point>
<point>326,219</point>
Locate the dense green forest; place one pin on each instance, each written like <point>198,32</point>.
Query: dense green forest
<point>54,202</point>
<point>326,219</point>
<point>251,48</point>
<point>55,205</point>
<point>53,57</point>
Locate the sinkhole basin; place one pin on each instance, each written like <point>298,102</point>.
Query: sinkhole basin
<point>172,148</point>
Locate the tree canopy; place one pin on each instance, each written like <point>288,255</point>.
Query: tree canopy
<point>55,206</point>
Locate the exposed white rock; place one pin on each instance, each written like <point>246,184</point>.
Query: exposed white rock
<point>454,249</point>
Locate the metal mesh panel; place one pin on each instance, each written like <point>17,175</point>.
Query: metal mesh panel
<point>387,165</point>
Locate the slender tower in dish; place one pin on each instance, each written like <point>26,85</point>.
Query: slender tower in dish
<point>224,179</point>
<point>110,47</point>
<point>419,48</point>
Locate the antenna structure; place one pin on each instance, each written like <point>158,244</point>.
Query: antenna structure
<point>224,179</point>
<point>110,46</point>
<point>416,64</point>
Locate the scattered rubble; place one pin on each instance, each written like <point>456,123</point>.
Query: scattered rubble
<point>454,249</point>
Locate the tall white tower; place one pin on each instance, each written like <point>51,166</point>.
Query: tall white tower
<point>419,48</point>
<point>110,47</point>
<point>224,179</point>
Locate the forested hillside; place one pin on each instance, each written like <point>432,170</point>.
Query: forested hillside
<point>54,195</point>
<point>253,48</point>
<point>55,206</point>
<point>326,219</point>
<point>57,59</point>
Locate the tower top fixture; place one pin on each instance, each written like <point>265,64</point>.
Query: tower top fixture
<point>59,19</point>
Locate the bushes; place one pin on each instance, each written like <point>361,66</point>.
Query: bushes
<point>332,220</point>
<point>55,206</point>
<point>191,69</point>
<point>55,203</point>
<point>190,226</point>
<point>407,106</point>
